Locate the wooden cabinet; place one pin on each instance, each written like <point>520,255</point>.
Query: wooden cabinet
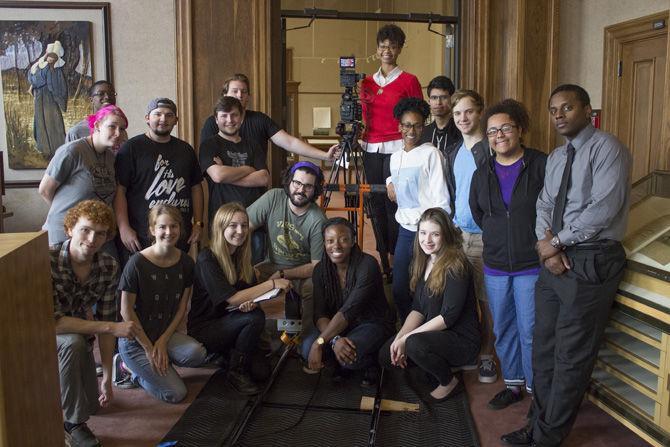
<point>631,379</point>
<point>30,410</point>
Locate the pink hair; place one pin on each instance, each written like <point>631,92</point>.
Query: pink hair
<point>102,113</point>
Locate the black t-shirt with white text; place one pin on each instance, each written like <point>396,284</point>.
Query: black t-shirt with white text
<point>154,173</point>
<point>257,126</point>
<point>244,153</point>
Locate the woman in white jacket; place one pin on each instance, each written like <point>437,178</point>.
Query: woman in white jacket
<point>417,182</point>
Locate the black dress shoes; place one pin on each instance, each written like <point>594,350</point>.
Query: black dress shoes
<point>521,437</point>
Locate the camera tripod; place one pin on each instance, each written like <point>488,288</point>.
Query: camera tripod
<point>354,192</point>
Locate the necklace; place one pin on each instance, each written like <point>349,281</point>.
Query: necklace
<point>98,156</point>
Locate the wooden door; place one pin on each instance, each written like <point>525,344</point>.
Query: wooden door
<point>642,93</point>
<point>635,87</point>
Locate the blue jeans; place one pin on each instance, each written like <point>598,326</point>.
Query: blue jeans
<point>367,337</point>
<point>402,260</point>
<point>182,351</point>
<point>512,304</point>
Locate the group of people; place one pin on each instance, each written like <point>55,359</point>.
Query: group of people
<point>489,240</point>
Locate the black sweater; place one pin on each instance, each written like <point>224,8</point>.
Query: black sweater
<point>508,235</point>
<point>456,305</point>
<point>363,298</point>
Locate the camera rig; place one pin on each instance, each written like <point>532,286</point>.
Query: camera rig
<point>349,128</point>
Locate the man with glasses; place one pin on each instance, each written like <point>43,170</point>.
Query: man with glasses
<point>442,132</point>
<point>100,94</point>
<point>84,283</point>
<point>582,213</point>
<point>293,222</point>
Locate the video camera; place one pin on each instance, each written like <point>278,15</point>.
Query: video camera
<point>350,108</point>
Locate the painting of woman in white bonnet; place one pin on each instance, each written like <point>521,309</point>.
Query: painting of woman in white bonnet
<point>49,89</point>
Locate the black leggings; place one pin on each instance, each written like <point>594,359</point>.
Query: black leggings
<point>382,208</point>
<point>435,352</point>
<point>240,330</point>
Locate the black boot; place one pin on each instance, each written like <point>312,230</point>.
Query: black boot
<point>238,376</point>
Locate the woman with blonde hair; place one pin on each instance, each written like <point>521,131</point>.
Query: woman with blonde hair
<point>155,288</point>
<point>223,315</point>
<point>442,331</point>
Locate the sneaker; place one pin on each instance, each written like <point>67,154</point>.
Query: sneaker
<point>504,399</point>
<point>487,371</point>
<point>121,375</point>
<point>82,436</point>
<point>126,383</point>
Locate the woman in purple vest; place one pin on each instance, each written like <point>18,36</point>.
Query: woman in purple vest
<point>502,199</point>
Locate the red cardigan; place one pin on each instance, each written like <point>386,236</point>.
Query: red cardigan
<point>378,102</point>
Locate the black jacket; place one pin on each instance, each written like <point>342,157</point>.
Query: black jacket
<point>481,153</point>
<point>508,235</point>
<point>444,145</point>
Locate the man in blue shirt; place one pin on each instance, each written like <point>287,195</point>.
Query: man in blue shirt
<point>463,157</point>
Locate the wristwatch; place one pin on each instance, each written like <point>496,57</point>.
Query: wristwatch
<point>556,242</point>
<point>320,341</point>
<point>199,223</point>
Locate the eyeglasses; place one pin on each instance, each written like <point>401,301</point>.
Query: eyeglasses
<point>107,94</point>
<point>505,129</point>
<point>388,47</point>
<point>408,126</point>
<point>305,186</point>
<point>439,98</point>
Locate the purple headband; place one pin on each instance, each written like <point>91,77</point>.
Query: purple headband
<point>305,164</point>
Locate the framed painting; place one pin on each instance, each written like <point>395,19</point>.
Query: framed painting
<point>50,55</point>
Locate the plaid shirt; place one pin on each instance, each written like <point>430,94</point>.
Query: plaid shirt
<point>73,299</point>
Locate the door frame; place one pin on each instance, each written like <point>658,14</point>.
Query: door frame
<point>615,37</point>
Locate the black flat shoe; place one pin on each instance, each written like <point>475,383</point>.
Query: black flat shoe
<point>521,437</point>
<point>458,389</point>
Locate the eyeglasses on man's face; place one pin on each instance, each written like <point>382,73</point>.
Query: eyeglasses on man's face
<point>505,129</point>
<point>305,186</point>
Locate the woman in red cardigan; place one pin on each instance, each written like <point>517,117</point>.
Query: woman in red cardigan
<point>379,93</point>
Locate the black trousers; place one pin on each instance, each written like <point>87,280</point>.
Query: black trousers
<point>571,312</point>
<point>383,210</point>
<point>435,352</point>
<point>239,330</point>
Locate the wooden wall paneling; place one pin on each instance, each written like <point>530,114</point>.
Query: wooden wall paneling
<point>665,131</point>
<point>540,69</point>
<point>474,16</point>
<point>275,78</point>
<point>510,50</point>
<point>215,39</point>
<point>30,409</point>
<point>184,45</point>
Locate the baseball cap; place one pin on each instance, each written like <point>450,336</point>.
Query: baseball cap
<point>161,102</point>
